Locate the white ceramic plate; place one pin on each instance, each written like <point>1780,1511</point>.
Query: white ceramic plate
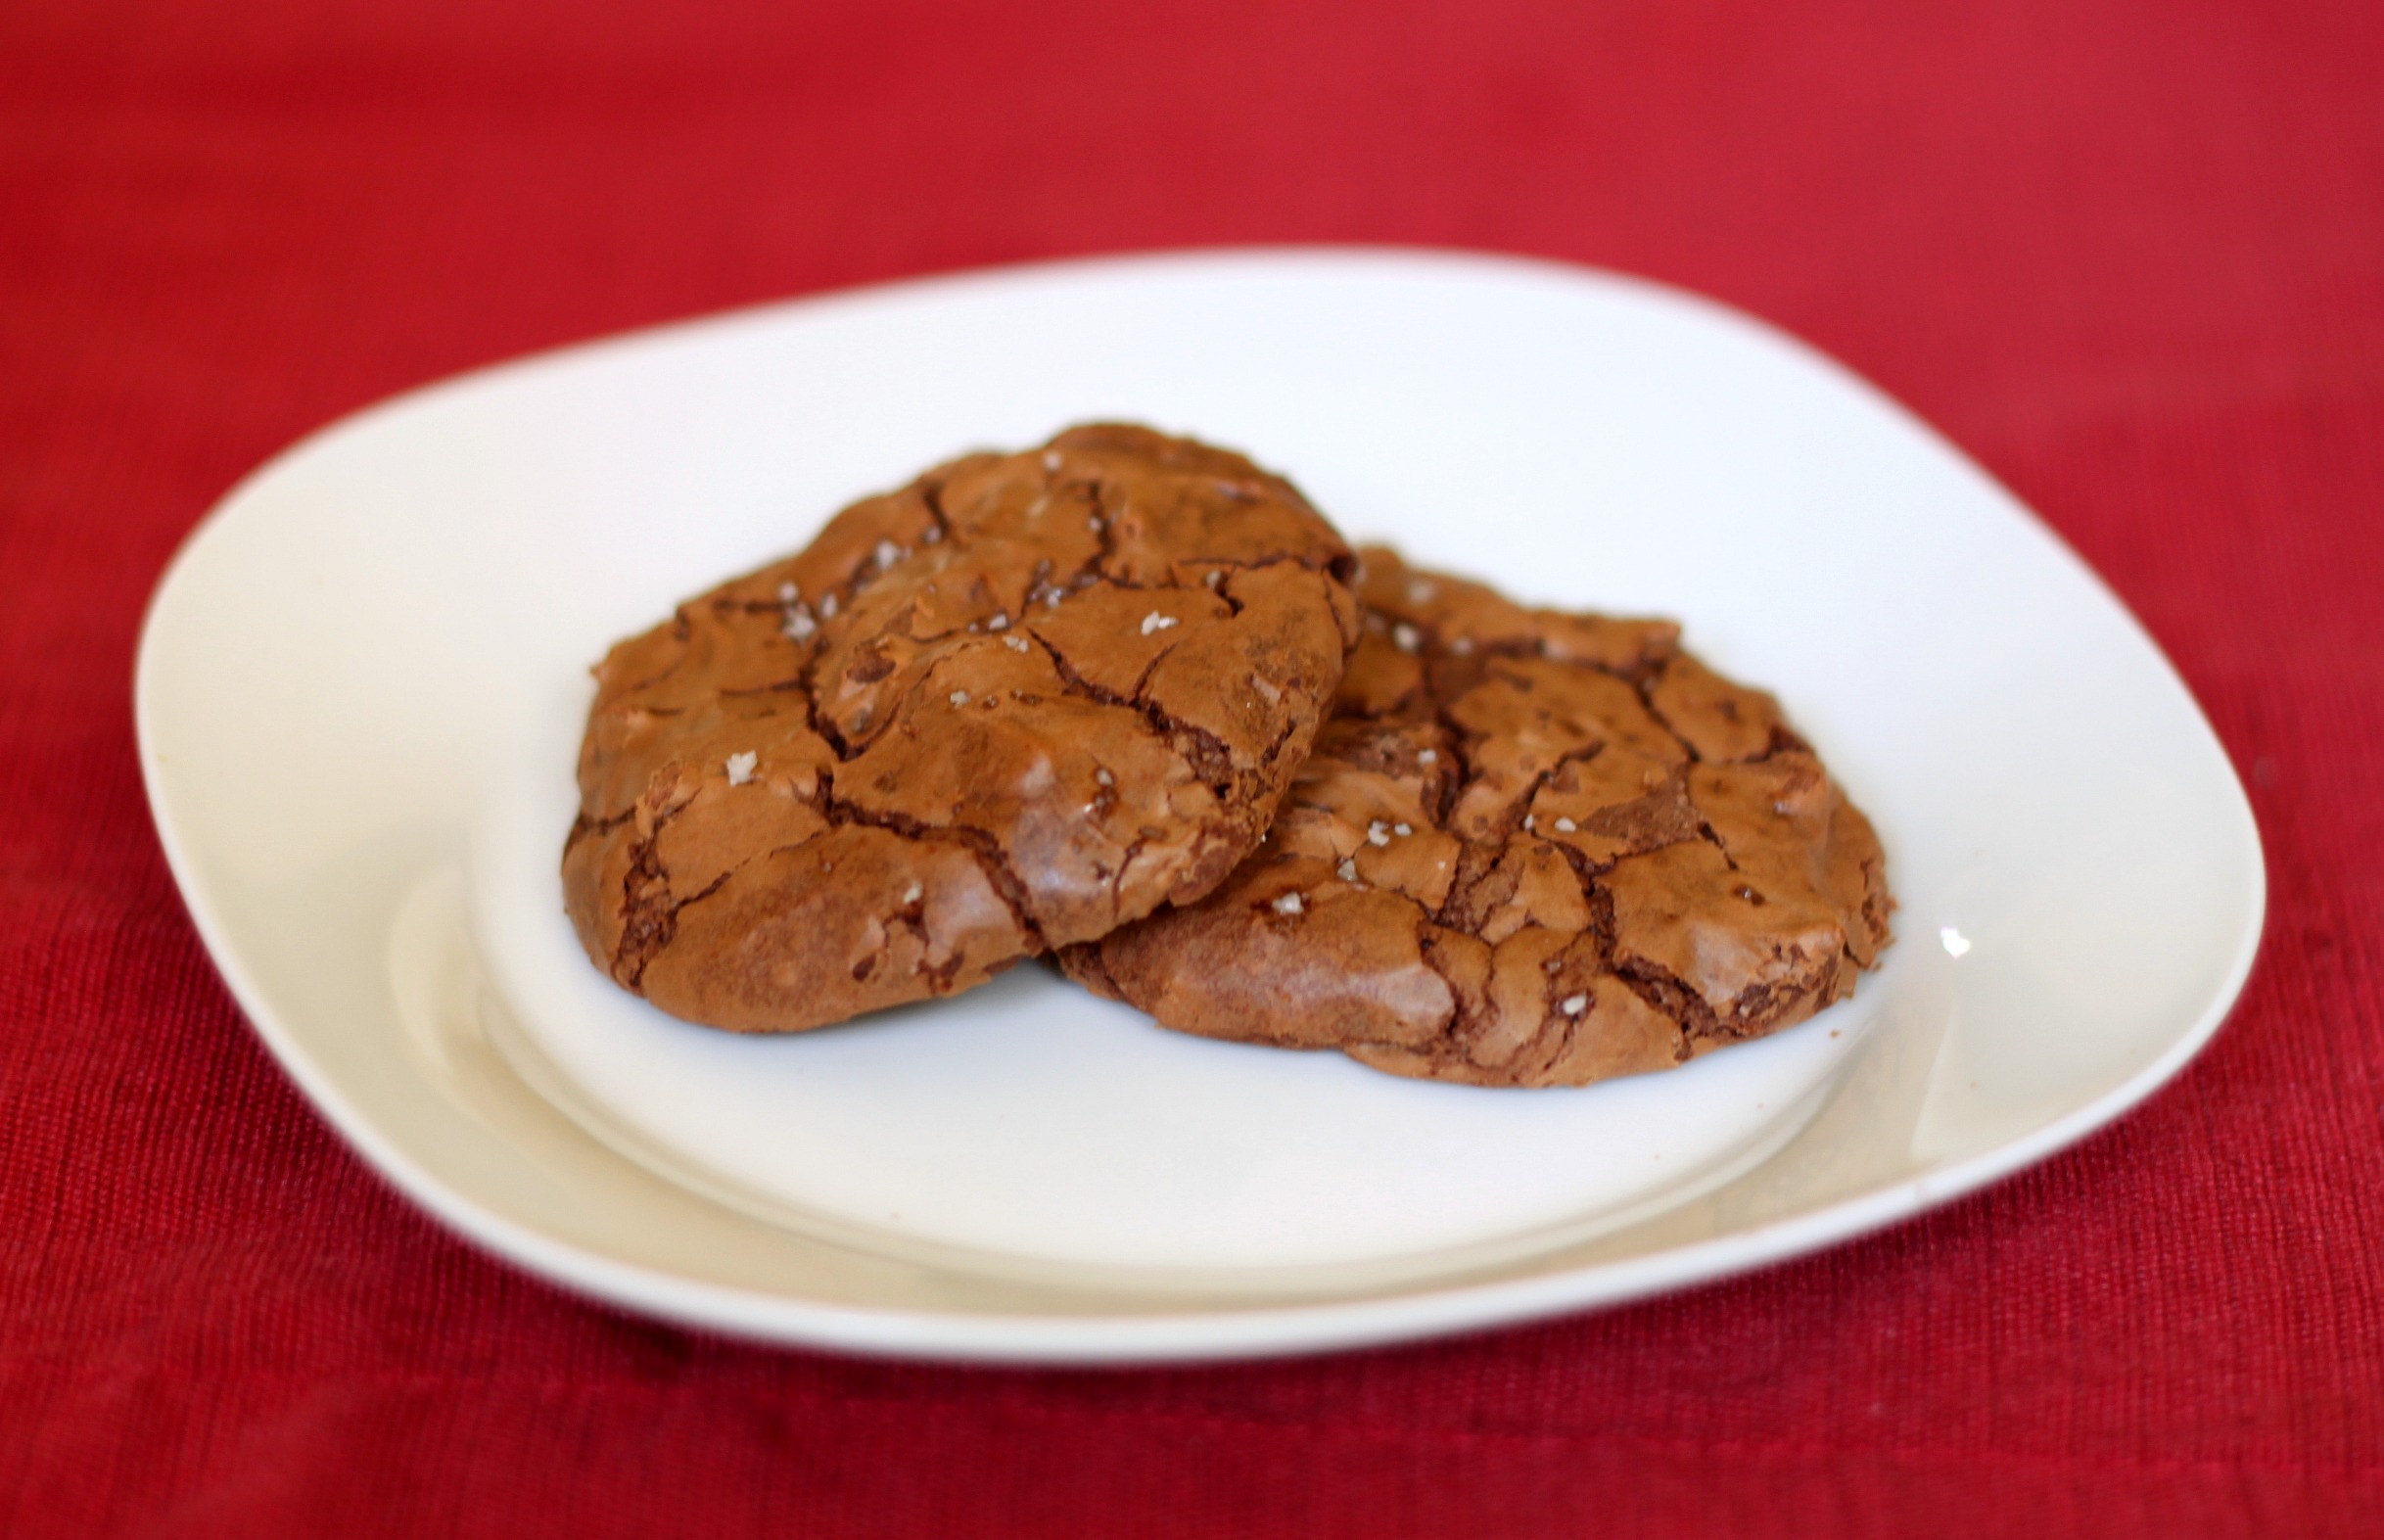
<point>359,694</point>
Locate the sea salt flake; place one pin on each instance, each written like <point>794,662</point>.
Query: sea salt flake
<point>1050,459</point>
<point>799,624</point>
<point>933,537</point>
<point>1403,830</point>
<point>827,608</point>
<point>1289,903</point>
<point>1429,757</point>
<point>1528,821</point>
<point>888,553</point>
<point>1421,591</point>
<point>1347,870</point>
<point>1462,645</point>
<point>1014,643</point>
<point>1377,832</point>
<point>1212,578</point>
<point>1154,620</point>
<point>1566,825</point>
<point>1000,622</point>
<point>788,593</point>
<point>1094,524</point>
<point>1407,637</point>
<point>1574,1005</point>
<point>911,894</point>
<point>1104,777</point>
<point>959,697</point>
<point>740,767</point>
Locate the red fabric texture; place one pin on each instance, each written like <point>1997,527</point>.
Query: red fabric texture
<point>2129,254</point>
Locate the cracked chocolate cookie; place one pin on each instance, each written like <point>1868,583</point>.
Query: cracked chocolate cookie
<point>1022,701</point>
<point>1529,849</point>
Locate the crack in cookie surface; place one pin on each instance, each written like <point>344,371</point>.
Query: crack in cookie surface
<point>1530,848</point>
<point>1020,701</point>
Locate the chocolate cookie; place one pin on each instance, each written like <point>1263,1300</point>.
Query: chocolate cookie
<point>1529,849</point>
<point>1012,706</point>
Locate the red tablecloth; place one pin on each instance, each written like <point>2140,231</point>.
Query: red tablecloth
<point>2130,255</point>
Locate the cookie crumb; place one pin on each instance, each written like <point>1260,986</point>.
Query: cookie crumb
<point>740,767</point>
<point>1154,620</point>
<point>1574,1005</point>
<point>1407,637</point>
<point>1289,903</point>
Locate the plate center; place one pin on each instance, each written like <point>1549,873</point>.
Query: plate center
<point>1028,1119</point>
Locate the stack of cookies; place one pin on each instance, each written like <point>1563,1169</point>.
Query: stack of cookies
<point>1129,701</point>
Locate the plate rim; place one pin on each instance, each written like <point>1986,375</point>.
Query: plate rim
<point>1209,1333</point>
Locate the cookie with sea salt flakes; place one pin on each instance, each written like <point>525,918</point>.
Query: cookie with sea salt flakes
<point>1021,702</point>
<point>1529,849</point>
